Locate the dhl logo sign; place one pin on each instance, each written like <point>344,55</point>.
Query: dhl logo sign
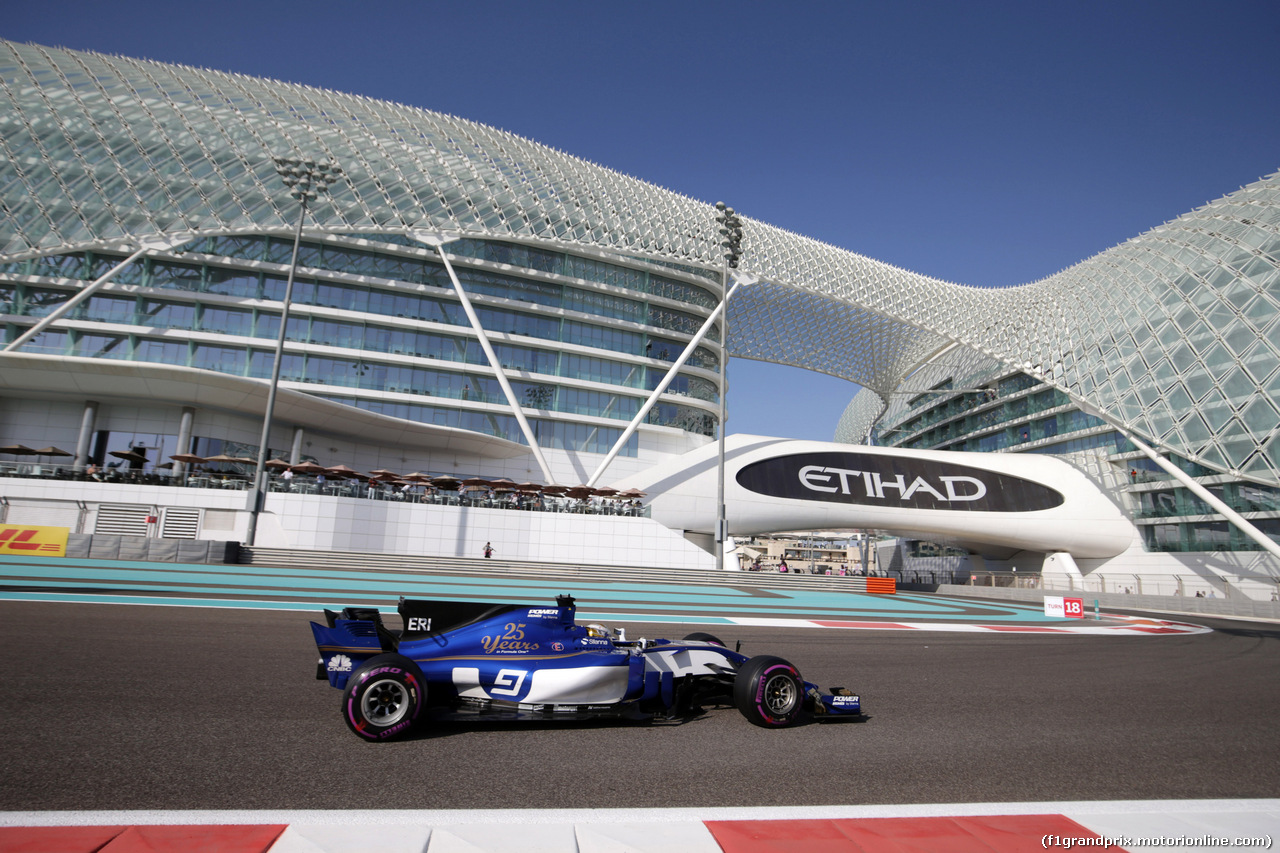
<point>26,540</point>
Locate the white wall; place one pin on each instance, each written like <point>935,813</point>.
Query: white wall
<point>389,527</point>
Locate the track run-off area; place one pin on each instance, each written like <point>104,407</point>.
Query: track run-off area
<point>277,588</point>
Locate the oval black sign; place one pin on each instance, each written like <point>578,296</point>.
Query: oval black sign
<point>894,481</point>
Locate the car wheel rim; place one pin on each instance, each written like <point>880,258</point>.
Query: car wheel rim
<point>779,695</point>
<point>385,703</point>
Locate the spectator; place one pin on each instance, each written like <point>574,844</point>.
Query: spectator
<point>488,550</point>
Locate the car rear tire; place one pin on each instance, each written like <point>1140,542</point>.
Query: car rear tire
<point>384,697</point>
<point>769,692</point>
<point>706,638</point>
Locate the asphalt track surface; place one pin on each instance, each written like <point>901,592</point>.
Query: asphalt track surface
<point>111,706</point>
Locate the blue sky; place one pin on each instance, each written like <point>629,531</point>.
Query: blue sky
<point>987,143</point>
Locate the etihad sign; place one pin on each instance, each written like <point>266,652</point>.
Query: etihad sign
<point>875,479</point>
<point>816,477</point>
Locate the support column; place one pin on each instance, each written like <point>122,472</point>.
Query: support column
<point>184,440</point>
<point>1067,564</point>
<point>295,450</point>
<point>89,289</point>
<point>438,241</point>
<point>88,420</point>
<point>671,374</point>
<point>1242,523</point>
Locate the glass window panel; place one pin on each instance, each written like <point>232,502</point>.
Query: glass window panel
<point>292,367</point>
<point>167,315</point>
<point>515,323</point>
<point>228,321</point>
<point>605,305</point>
<point>331,371</point>
<point>1211,536</point>
<point>40,301</point>
<point>107,309</point>
<point>341,296</point>
<point>232,360</point>
<point>249,248</point>
<point>605,370</point>
<point>304,290</point>
<point>162,352</point>
<point>230,282</point>
<point>1162,537</point>
<point>100,265</point>
<point>61,266</point>
<point>507,287</point>
<point>172,276</point>
<point>669,289</point>
<point>53,342</point>
<point>335,334</point>
<point>101,346</point>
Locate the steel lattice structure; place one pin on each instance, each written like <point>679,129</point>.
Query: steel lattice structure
<point>1172,334</point>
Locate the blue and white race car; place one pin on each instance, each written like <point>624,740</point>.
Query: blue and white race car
<point>509,662</point>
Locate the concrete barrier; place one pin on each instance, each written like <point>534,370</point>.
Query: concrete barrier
<point>102,546</point>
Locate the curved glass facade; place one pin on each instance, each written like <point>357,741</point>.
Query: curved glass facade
<point>580,337</point>
<point>967,402</point>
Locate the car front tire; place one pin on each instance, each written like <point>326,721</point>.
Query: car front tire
<point>769,692</point>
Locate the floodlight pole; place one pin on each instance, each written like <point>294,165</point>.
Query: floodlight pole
<point>306,179</point>
<point>731,242</point>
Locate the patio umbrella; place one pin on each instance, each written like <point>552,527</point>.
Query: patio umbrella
<point>503,485</point>
<point>475,483</point>
<point>17,450</point>
<point>278,464</point>
<point>445,481</point>
<point>222,457</point>
<point>582,490</point>
<point>631,493</point>
<point>308,467</point>
<point>529,487</point>
<point>553,489</point>
<point>130,456</point>
<point>52,451</point>
<point>341,471</point>
<point>604,492</point>
<point>187,458</point>
<point>418,477</point>
<point>383,474</point>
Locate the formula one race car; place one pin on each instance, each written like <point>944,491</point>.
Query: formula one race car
<point>510,662</point>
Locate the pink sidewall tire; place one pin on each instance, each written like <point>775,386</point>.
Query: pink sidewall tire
<point>769,692</point>
<point>384,698</point>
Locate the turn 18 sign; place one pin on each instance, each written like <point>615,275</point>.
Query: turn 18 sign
<point>1063,608</point>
